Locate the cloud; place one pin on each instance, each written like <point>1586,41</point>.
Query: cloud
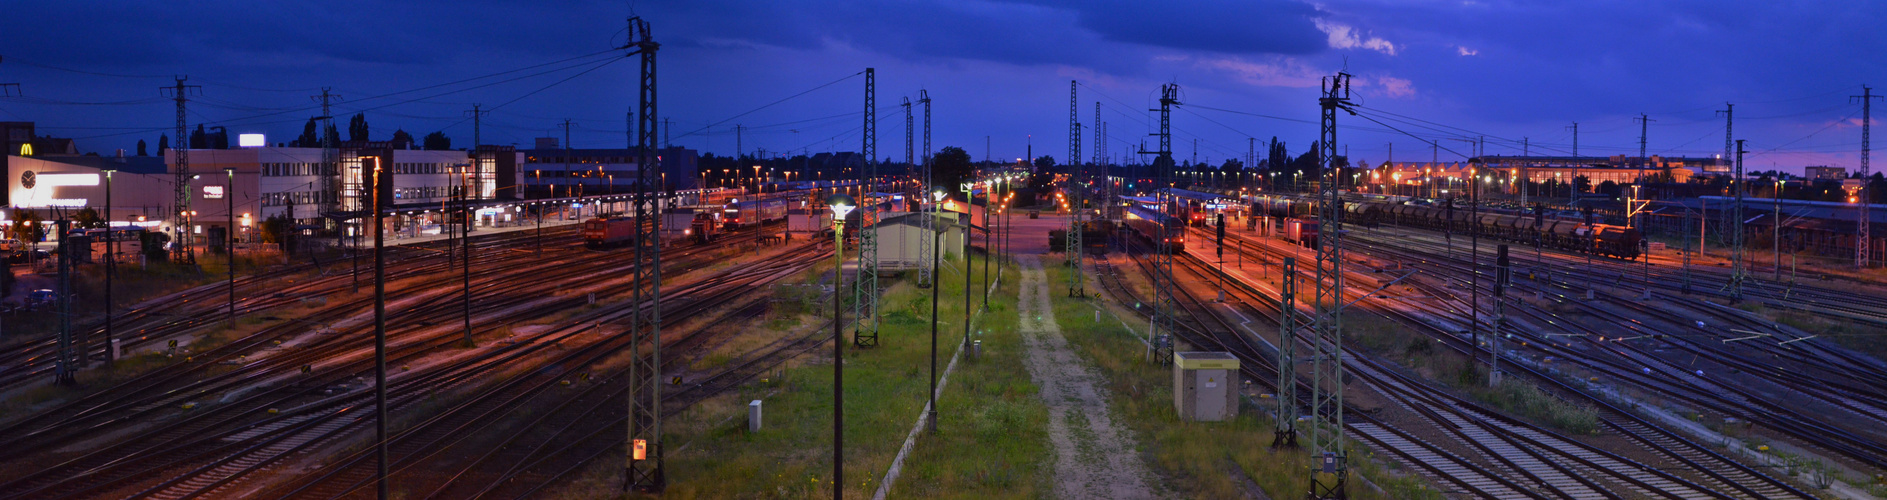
<point>1394,87</point>
<point>1281,72</point>
<point>1467,51</point>
<point>1341,36</point>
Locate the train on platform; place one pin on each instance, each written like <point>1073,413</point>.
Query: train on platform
<point>1150,224</point>
<point>740,214</point>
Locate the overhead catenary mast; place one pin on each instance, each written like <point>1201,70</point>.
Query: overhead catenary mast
<point>1330,476</point>
<point>180,175</point>
<point>865,293</point>
<point>1862,240</point>
<point>644,467</point>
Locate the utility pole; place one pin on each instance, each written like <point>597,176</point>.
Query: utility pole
<point>1502,278</point>
<point>65,370</point>
<point>229,201</point>
<point>1331,476</point>
<point>1644,125</point>
<point>379,329</point>
<point>180,175</point>
<point>740,151</point>
<point>1285,433</point>
<point>111,268</point>
<point>927,223</point>
<point>567,179</point>
<point>1574,140</point>
<point>865,293</point>
<point>1100,146</point>
<point>644,467</point>
<point>1861,238</point>
<point>1729,119</point>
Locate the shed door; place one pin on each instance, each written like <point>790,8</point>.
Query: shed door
<point>1211,393</point>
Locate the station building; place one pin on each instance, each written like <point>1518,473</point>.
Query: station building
<point>261,182</point>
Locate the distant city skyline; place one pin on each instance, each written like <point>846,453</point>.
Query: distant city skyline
<point>995,69</point>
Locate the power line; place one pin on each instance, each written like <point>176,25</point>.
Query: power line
<point>771,104</point>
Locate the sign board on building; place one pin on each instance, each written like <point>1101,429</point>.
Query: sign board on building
<point>212,192</point>
<point>251,140</point>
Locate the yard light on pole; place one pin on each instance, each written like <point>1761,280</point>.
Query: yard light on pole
<point>935,252</point>
<point>840,205</point>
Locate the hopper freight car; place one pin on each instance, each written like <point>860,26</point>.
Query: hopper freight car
<point>1570,235</point>
<point>1150,224</point>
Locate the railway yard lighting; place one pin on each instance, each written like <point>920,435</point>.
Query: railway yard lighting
<point>935,253</point>
<point>840,205</point>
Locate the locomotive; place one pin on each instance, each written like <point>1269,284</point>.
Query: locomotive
<point>608,231</point>
<point>1147,223</point>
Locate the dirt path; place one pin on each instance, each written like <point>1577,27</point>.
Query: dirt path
<point>1094,458</point>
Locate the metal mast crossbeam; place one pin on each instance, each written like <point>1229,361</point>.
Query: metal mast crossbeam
<point>644,469</point>
<point>1330,477</point>
<point>865,293</point>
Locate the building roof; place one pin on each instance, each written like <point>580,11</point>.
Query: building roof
<point>127,164</point>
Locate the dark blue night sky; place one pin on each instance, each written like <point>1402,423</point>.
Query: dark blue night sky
<point>1507,69</point>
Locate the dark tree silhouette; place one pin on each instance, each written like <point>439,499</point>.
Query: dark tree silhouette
<point>357,128</point>
<point>141,150</point>
<point>437,141</point>
<point>307,139</point>
<point>163,143</point>
<point>401,139</point>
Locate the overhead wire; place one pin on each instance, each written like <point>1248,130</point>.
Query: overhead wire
<point>771,104</point>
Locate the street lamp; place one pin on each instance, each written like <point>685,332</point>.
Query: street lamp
<point>840,205</point>
<point>936,243</point>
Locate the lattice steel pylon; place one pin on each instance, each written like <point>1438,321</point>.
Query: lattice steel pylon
<point>330,173</point>
<point>1861,237</point>
<point>644,469</point>
<point>917,193</point>
<point>1739,269</point>
<point>1163,299</point>
<point>1330,476</point>
<point>180,174</point>
<point>865,292</point>
<point>1072,247</point>
<point>1284,434</point>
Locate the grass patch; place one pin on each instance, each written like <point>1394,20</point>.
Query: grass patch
<point>1201,459</point>
<point>1524,399</point>
<point>1867,339</point>
<point>992,442</point>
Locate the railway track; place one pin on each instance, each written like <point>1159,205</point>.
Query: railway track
<point>1822,396</point>
<point>295,391</point>
<point>1557,466</point>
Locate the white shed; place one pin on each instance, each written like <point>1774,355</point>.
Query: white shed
<point>899,238</point>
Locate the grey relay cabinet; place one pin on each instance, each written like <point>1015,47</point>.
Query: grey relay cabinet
<point>1203,386</point>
